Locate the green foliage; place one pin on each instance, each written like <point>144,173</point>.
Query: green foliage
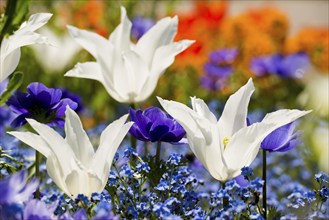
<point>273,213</point>
<point>156,171</point>
<point>15,14</point>
<point>14,83</point>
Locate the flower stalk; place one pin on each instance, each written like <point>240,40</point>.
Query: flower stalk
<point>158,151</point>
<point>37,172</point>
<point>264,185</point>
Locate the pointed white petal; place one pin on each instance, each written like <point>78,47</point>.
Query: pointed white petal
<point>35,22</point>
<point>9,63</point>
<point>82,182</point>
<point>137,74</point>
<point>77,138</point>
<point>87,70</point>
<point>284,116</point>
<point>120,37</point>
<point>54,170</point>
<point>202,135</point>
<point>183,114</point>
<point>162,33</point>
<point>33,140</point>
<point>25,35</point>
<point>164,56</point>
<point>92,42</point>
<point>57,144</point>
<point>200,107</point>
<point>110,140</point>
<point>244,145</point>
<point>234,116</point>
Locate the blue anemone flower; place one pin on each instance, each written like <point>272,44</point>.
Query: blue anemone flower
<point>282,139</point>
<point>153,125</point>
<point>140,25</point>
<point>43,104</point>
<point>38,210</point>
<point>14,189</point>
<point>290,66</point>
<point>218,68</point>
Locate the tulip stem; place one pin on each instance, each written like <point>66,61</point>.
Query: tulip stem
<point>264,186</point>
<point>133,140</point>
<point>157,154</point>
<point>225,198</point>
<point>37,172</point>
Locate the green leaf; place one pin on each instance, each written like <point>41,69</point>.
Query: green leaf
<point>273,213</point>
<point>15,14</point>
<point>157,170</point>
<point>14,83</point>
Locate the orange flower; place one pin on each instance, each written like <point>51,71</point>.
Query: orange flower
<point>200,24</point>
<point>87,14</point>
<point>313,41</point>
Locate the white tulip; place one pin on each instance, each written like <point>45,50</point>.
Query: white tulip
<point>128,71</point>
<point>226,145</point>
<point>316,94</point>
<point>320,143</point>
<point>10,52</point>
<point>71,162</point>
<point>64,49</point>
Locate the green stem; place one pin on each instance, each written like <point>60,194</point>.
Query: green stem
<point>133,141</point>
<point>37,172</point>
<point>264,186</point>
<point>157,154</point>
<point>225,198</point>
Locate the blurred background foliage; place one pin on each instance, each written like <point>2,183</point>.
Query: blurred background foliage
<point>254,32</point>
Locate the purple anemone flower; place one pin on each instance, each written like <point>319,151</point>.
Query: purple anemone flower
<point>43,104</point>
<point>140,26</point>
<point>282,139</point>
<point>74,97</point>
<point>291,66</point>
<point>223,56</point>
<point>218,68</point>
<point>153,125</point>
<point>38,210</point>
<point>14,188</point>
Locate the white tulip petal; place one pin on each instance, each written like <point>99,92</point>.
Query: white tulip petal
<point>91,41</point>
<point>54,170</point>
<point>82,182</point>
<point>25,35</point>
<point>164,56</point>
<point>137,72</point>
<point>9,64</point>
<point>110,140</point>
<point>77,138</point>
<point>35,22</point>
<point>120,37</point>
<point>87,70</point>
<point>200,107</point>
<point>182,114</point>
<point>33,140</point>
<point>189,120</point>
<point>284,116</point>
<point>57,144</point>
<point>244,145</point>
<point>92,70</point>
<point>162,33</point>
<point>234,116</point>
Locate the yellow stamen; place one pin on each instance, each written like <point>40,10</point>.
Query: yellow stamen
<point>225,141</point>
